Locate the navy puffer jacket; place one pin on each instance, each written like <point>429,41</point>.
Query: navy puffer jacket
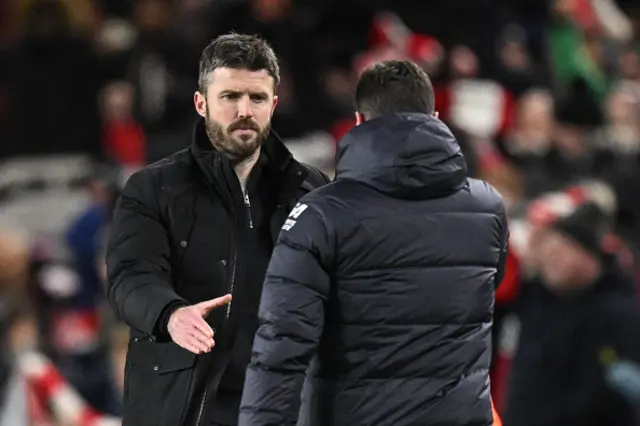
<point>388,276</point>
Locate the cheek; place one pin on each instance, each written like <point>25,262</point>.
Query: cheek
<point>221,113</point>
<point>554,272</point>
<point>262,115</point>
<point>547,262</point>
<point>553,262</point>
<point>559,261</point>
<point>575,261</point>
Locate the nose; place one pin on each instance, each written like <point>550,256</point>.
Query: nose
<point>245,108</point>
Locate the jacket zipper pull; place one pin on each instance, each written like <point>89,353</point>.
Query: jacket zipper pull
<point>247,205</point>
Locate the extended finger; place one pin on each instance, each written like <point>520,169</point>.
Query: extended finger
<point>200,324</point>
<point>208,305</point>
<point>202,339</point>
<point>197,343</point>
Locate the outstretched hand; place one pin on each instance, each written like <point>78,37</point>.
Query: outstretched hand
<point>189,330</point>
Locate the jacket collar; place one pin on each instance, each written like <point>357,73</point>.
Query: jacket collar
<point>275,158</point>
<point>404,155</point>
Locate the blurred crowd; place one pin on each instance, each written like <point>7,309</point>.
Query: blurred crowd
<point>544,98</point>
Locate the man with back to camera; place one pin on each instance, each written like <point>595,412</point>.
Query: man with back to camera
<point>387,274</point>
<point>196,229</point>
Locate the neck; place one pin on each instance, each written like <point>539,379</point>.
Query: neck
<point>243,168</point>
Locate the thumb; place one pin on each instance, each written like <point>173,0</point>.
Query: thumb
<point>206,306</point>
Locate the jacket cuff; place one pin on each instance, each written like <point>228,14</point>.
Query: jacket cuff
<point>160,330</point>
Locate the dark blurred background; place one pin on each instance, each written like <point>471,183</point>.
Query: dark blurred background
<point>543,96</point>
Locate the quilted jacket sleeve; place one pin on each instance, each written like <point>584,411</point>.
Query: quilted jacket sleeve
<point>138,267</point>
<point>291,319</point>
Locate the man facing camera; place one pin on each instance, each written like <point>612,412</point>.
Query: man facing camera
<point>191,239</point>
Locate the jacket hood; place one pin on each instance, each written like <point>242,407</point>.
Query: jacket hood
<point>404,155</point>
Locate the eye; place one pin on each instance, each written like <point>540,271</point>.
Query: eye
<point>230,96</point>
<point>258,98</point>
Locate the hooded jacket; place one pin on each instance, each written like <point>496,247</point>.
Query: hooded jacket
<point>387,275</point>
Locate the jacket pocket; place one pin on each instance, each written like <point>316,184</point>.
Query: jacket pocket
<point>157,383</point>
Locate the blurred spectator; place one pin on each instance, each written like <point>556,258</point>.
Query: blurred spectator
<point>52,79</point>
<point>123,137</point>
<point>578,318</point>
<point>629,67</point>
<point>82,16</point>
<point>160,69</point>
<point>13,274</point>
<point>479,106</point>
<point>517,71</point>
<point>576,60</point>
<point>91,370</point>
<point>617,157</point>
<point>502,176</point>
<point>68,298</point>
<point>529,144</point>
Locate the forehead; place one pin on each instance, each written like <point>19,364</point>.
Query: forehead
<point>240,80</point>
<point>550,238</point>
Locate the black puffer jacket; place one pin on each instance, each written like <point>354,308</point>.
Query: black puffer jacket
<point>388,274</point>
<point>182,234</point>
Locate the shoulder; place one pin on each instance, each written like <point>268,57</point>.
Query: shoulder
<point>170,167</point>
<point>325,198</point>
<point>172,170</point>
<point>485,197</point>
<point>312,225</point>
<point>327,207</point>
<point>315,178</point>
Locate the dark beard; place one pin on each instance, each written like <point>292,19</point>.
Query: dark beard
<point>233,148</point>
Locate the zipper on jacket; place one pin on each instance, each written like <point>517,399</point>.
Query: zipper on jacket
<point>202,402</point>
<point>234,261</point>
<point>247,206</point>
<point>233,282</point>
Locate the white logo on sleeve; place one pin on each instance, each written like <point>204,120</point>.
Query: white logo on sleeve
<point>295,213</point>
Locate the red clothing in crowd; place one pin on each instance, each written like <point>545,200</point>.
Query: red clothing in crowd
<point>124,142</point>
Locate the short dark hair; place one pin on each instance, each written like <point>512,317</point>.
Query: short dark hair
<point>238,51</point>
<point>394,86</point>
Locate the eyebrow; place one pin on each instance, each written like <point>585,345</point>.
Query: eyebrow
<point>240,93</point>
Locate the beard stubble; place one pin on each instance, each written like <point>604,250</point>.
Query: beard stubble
<point>240,147</point>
